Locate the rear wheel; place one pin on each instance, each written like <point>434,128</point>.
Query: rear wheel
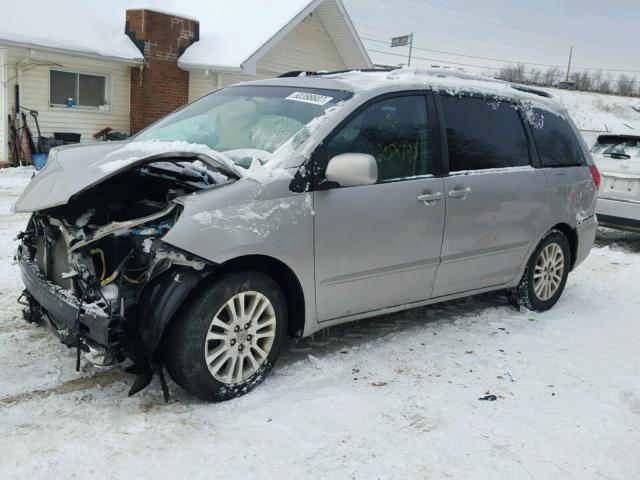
<point>228,339</point>
<point>546,273</point>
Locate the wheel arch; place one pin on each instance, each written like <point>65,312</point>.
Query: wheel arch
<point>284,277</point>
<point>572,238</point>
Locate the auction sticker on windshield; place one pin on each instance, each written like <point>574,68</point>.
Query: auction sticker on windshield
<point>309,98</point>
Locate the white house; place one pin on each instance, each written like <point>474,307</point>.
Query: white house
<point>88,65</point>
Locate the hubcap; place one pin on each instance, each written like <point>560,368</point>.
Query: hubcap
<point>240,337</point>
<point>548,271</point>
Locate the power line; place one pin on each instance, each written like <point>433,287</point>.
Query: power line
<point>502,60</point>
<point>471,14</point>
<point>555,75</point>
<point>519,28</point>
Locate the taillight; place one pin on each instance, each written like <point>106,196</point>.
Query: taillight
<point>595,174</point>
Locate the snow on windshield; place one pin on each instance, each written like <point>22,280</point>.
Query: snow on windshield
<point>250,129</point>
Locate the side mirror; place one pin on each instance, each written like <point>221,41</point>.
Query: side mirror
<point>352,170</point>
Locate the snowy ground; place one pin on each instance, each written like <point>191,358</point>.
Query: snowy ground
<point>394,397</point>
<point>595,113</point>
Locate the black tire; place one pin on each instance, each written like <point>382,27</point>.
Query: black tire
<point>186,338</point>
<point>525,293</point>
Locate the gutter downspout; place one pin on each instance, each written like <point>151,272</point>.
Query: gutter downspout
<point>4,139</point>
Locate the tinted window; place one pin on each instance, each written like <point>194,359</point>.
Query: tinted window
<point>394,131</point>
<point>484,134</point>
<point>555,140</point>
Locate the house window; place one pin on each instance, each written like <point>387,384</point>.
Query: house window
<point>85,90</point>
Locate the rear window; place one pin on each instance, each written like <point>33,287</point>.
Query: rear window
<point>556,141</point>
<point>484,134</point>
<point>617,147</point>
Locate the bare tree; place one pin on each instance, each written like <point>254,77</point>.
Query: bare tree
<point>550,76</point>
<point>625,85</point>
<point>535,76</point>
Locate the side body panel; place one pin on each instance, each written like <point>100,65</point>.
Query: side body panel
<point>247,218</point>
<point>489,232</point>
<point>376,246</point>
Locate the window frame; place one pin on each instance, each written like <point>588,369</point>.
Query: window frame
<point>106,107</point>
<point>534,161</point>
<point>312,172</point>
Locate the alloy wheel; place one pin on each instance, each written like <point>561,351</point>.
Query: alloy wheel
<point>548,271</point>
<point>240,337</point>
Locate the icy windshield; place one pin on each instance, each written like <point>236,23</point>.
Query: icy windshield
<point>245,122</point>
<point>618,147</point>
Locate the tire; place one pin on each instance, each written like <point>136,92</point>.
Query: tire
<point>540,271</point>
<point>208,328</point>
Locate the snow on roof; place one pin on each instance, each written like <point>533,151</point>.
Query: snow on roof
<point>450,81</point>
<point>79,26</point>
<point>231,32</point>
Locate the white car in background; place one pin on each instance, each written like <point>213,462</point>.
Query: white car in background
<point>618,159</point>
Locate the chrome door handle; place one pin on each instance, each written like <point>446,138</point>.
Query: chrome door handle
<point>430,197</point>
<point>459,193</point>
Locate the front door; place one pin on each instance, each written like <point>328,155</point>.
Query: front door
<point>378,246</point>
<point>495,198</point>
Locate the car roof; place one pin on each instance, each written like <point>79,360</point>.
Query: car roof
<point>378,81</point>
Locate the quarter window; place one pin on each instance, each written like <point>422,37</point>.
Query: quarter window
<point>84,90</point>
<point>484,134</point>
<point>556,141</point>
<point>394,131</point>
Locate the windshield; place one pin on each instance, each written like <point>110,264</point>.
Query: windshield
<point>617,147</point>
<point>245,122</point>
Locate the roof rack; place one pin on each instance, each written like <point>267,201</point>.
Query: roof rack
<point>297,73</point>
<point>534,91</point>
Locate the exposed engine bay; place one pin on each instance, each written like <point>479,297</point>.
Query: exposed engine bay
<point>100,259</point>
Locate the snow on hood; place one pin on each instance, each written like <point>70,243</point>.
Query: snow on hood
<point>73,169</point>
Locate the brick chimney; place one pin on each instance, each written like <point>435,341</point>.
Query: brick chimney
<point>159,87</point>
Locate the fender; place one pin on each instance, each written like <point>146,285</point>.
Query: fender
<point>160,300</point>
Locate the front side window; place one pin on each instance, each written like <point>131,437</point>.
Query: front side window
<point>484,134</point>
<point>394,131</point>
<point>556,141</point>
<point>77,89</point>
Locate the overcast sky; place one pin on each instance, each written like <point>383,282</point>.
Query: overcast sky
<point>604,34</point>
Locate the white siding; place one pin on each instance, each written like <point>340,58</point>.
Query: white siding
<point>200,84</point>
<point>34,94</point>
<point>3,103</point>
<point>307,47</point>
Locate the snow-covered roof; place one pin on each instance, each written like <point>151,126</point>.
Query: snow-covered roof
<point>234,34</point>
<point>75,26</point>
<point>450,81</point>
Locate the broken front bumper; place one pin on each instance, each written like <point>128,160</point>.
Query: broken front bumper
<point>62,307</point>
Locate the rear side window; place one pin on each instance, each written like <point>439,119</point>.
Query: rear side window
<point>484,134</point>
<point>556,141</point>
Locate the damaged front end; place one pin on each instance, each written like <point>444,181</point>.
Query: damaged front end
<point>98,272</point>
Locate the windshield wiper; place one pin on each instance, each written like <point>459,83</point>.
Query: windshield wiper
<point>617,155</point>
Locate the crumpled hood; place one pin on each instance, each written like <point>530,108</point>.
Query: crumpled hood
<point>75,168</point>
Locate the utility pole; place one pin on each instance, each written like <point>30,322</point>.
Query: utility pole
<point>569,65</point>
<point>410,49</point>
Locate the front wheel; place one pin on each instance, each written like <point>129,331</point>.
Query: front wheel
<point>546,273</point>
<point>228,338</point>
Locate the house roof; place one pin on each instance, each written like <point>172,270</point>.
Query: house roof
<point>234,35</point>
<point>73,26</point>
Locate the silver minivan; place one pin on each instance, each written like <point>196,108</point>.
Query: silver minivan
<point>277,208</point>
